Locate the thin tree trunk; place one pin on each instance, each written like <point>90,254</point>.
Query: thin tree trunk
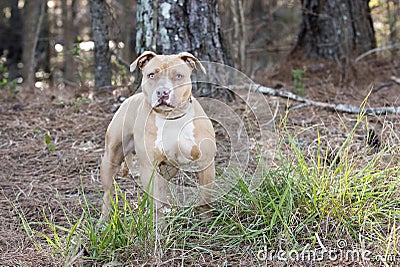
<point>238,44</point>
<point>32,22</point>
<point>32,60</point>
<point>100,33</point>
<point>43,44</point>
<point>129,30</point>
<point>69,39</point>
<point>393,16</point>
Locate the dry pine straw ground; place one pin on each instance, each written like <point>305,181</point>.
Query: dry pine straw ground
<point>36,179</point>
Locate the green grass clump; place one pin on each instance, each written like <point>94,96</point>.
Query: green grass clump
<point>127,236</point>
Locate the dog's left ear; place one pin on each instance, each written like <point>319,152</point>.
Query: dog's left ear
<point>142,60</point>
<point>192,61</point>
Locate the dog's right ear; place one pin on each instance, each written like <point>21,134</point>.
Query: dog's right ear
<point>142,60</point>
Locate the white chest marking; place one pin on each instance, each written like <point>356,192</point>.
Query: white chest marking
<point>160,124</point>
<point>175,138</point>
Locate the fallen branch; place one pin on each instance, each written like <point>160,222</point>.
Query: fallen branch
<point>339,108</point>
<point>395,79</point>
<point>379,87</point>
<point>369,52</point>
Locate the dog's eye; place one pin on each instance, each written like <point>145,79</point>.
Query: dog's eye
<point>151,75</point>
<point>179,76</point>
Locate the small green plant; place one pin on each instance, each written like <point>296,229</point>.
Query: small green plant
<point>6,84</point>
<point>299,80</point>
<point>76,51</point>
<point>81,100</point>
<point>49,143</point>
<point>60,102</point>
<point>36,131</point>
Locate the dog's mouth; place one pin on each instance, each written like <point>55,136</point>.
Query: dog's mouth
<point>163,102</point>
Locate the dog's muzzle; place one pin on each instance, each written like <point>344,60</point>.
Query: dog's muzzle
<point>164,97</point>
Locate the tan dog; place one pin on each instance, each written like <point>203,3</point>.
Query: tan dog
<point>165,126</point>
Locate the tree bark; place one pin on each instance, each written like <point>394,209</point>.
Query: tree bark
<point>173,26</point>
<point>69,36</point>
<point>332,29</point>
<point>393,17</point>
<point>33,17</point>
<point>177,26</point>
<point>129,30</point>
<point>100,33</point>
<point>146,26</point>
<point>43,44</point>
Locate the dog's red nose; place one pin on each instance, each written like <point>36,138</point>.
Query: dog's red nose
<point>163,92</point>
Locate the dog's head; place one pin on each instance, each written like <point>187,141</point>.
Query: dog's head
<point>166,79</point>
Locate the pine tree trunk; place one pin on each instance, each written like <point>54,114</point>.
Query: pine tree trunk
<point>181,26</point>
<point>177,26</point>
<point>146,28</point>
<point>332,29</point>
<point>100,33</point>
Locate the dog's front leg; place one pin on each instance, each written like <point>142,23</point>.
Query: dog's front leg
<point>206,180</point>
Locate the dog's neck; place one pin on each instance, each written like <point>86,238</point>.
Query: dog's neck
<point>175,118</point>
